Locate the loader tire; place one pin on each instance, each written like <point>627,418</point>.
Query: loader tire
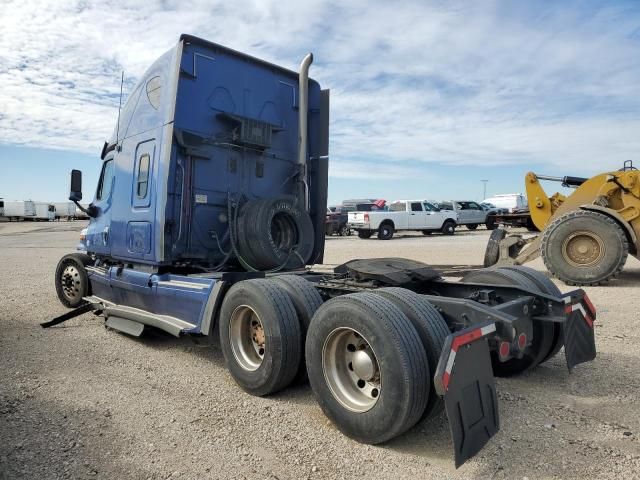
<point>543,332</point>
<point>71,280</point>
<point>492,253</point>
<point>306,300</point>
<point>274,233</point>
<point>431,328</point>
<point>545,285</point>
<point>260,336</point>
<point>382,391</point>
<point>584,248</point>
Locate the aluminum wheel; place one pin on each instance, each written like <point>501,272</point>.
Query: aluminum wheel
<point>71,283</point>
<point>351,370</point>
<point>247,338</point>
<point>583,249</point>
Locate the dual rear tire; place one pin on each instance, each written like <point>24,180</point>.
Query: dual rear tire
<point>369,356</point>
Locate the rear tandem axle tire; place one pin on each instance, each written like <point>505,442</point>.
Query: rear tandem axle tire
<point>306,300</point>
<point>431,328</point>
<point>260,336</point>
<point>367,367</point>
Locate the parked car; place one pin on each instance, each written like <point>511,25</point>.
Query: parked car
<point>471,214</point>
<point>337,220</point>
<point>510,201</point>
<point>418,215</point>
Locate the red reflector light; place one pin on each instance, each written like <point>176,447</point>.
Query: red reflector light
<point>366,217</point>
<point>522,341</point>
<point>504,349</point>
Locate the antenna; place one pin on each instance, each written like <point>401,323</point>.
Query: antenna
<point>119,108</point>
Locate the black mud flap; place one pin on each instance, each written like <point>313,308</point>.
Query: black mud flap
<point>465,378</point>
<point>579,337</point>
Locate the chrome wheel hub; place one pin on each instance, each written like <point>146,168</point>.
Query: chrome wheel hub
<point>71,282</point>
<point>247,337</point>
<point>351,370</point>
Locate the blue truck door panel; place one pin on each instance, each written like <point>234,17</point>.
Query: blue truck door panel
<point>134,219</point>
<point>139,237</point>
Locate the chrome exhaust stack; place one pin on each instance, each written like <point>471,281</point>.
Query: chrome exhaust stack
<point>303,112</point>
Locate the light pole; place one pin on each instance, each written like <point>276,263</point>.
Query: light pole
<point>484,190</point>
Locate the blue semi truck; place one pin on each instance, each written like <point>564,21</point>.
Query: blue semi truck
<point>208,216</point>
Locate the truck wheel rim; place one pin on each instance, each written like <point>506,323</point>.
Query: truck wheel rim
<point>351,370</point>
<point>583,249</point>
<point>247,337</point>
<point>71,282</point>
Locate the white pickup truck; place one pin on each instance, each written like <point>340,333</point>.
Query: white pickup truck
<point>418,215</point>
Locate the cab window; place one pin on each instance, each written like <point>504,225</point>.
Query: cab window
<point>398,207</point>
<point>416,207</point>
<point>106,179</point>
<point>142,185</point>
<point>428,207</point>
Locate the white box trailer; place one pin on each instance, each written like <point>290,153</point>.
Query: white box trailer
<point>19,210</point>
<point>45,211</point>
<point>65,210</point>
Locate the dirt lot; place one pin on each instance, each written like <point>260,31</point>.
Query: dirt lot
<point>79,401</point>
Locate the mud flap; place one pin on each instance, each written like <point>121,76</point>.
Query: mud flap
<point>577,330</point>
<point>465,378</point>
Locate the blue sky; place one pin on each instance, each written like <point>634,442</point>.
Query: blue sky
<point>428,98</point>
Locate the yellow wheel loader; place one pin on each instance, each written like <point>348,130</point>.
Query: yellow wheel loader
<point>585,237</point>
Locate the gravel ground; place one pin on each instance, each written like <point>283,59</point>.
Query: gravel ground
<point>79,401</point>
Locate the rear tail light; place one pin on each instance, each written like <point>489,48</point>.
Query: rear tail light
<point>366,217</point>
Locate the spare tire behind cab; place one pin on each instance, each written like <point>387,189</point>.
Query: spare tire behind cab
<point>274,233</point>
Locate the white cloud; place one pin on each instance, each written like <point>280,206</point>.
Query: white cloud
<point>478,83</point>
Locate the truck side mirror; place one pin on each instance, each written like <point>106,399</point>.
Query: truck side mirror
<point>75,192</point>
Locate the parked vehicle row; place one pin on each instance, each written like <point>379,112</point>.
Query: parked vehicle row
<point>416,215</point>
<point>428,216</point>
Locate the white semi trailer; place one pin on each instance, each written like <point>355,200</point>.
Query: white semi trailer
<point>45,212</point>
<point>19,210</point>
<point>66,210</point>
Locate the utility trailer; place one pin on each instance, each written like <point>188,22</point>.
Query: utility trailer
<point>208,217</point>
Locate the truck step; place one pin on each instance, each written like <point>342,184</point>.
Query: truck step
<point>172,325</point>
<point>125,326</point>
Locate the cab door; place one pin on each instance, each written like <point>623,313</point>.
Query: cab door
<point>417,216</point>
<point>98,232</point>
<point>433,217</point>
<point>139,233</point>
<point>476,213</point>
